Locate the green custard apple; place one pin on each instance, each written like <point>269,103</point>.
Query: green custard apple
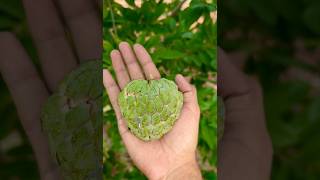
<point>150,107</point>
<point>72,120</point>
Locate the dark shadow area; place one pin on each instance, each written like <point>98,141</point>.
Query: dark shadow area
<point>50,89</point>
<point>278,43</point>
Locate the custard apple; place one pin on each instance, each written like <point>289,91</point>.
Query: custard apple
<point>72,120</point>
<point>150,107</point>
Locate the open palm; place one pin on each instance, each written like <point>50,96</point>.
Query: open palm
<point>156,159</point>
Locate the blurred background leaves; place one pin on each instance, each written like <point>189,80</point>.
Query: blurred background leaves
<point>181,37</point>
<point>280,43</point>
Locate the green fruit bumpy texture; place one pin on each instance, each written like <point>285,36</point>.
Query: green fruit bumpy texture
<point>150,107</point>
<point>72,120</point>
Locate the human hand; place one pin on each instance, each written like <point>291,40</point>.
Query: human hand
<point>48,21</point>
<point>245,150</point>
<point>172,156</point>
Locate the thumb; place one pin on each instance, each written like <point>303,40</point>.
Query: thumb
<point>190,102</point>
<point>187,126</point>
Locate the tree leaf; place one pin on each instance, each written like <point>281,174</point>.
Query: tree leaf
<point>164,53</point>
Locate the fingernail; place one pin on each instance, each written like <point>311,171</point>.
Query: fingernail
<point>123,43</point>
<point>179,77</point>
<point>114,52</point>
<point>137,45</point>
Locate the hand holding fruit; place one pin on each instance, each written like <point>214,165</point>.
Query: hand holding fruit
<point>173,155</point>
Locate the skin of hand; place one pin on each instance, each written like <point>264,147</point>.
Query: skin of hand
<point>245,150</point>
<point>48,21</point>
<point>173,156</point>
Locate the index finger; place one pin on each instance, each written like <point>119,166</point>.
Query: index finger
<point>113,91</point>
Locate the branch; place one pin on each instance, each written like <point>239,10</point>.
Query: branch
<point>112,18</point>
<point>177,9</point>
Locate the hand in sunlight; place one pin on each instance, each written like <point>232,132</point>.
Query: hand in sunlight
<point>172,156</point>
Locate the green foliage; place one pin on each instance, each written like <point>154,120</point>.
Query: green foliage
<point>177,45</point>
<point>271,33</point>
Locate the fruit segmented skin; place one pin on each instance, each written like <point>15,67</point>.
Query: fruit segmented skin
<point>72,119</point>
<point>150,107</point>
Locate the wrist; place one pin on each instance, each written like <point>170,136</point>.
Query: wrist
<point>186,171</point>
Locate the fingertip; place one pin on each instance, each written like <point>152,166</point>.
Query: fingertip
<point>137,46</point>
<point>105,72</point>
<point>179,78</point>
<point>107,78</point>
<point>115,56</point>
<point>194,88</point>
<point>183,84</point>
<point>123,44</point>
<point>114,53</point>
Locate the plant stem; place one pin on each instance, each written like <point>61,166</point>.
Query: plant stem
<point>177,9</point>
<point>112,18</point>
